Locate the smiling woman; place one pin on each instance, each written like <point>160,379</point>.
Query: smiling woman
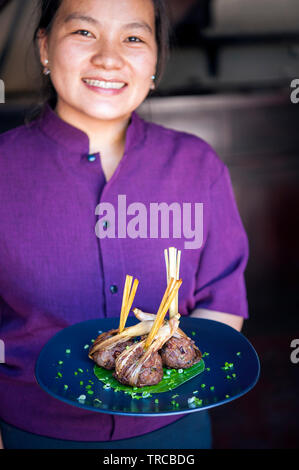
<point>102,59</point>
<point>86,146</point>
<point>159,29</point>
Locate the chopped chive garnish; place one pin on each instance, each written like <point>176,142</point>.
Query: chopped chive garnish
<point>60,362</point>
<point>86,346</point>
<point>59,374</point>
<point>66,387</point>
<point>67,351</point>
<point>203,385</point>
<point>193,401</point>
<point>90,392</point>
<point>228,365</point>
<point>193,333</point>
<point>80,370</point>
<point>212,388</point>
<point>156,400</point>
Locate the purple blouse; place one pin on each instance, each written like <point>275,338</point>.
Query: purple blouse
<point>64,252</point>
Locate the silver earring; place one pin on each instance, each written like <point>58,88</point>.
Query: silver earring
<point>153,85</point>
<point>46,70</point>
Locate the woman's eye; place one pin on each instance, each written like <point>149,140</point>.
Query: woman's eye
<point>134,39</point>
<point>83,32</point>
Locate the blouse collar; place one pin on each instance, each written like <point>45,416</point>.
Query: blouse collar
<point>77,141</point>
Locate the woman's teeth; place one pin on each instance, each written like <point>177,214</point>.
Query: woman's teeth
<point>106,85</point>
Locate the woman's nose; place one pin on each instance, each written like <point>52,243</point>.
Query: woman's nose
<point>107,55</point>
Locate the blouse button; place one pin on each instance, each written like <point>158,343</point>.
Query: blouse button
<point>113,289</point>
<point>91,158</point>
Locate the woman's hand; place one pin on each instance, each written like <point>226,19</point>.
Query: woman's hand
<point>232,320</point>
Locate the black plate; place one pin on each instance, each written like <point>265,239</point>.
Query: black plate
<point>232,368</point>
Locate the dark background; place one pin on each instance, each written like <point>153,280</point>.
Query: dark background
<point>228,81</point>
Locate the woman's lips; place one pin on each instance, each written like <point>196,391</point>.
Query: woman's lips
<point>105,87</point>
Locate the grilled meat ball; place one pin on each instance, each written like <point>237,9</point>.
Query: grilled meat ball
<point>106,357</point>
<point>150,373</point>
<point>180,353</point>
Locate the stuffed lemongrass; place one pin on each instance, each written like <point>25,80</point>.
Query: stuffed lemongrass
<point>141,363</point>
<point>179,351</point>
<point>108,346</point>
<point>138,366</point>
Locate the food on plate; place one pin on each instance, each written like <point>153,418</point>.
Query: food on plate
<point>139,353</point>
<point>141,364</point>
<point>110,344</point>
<point>179,351</point>
<point>103,353</point>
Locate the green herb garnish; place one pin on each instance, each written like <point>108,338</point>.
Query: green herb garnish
<point>171,380</point>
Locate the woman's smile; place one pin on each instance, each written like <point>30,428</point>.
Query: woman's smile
<point>105,87</point>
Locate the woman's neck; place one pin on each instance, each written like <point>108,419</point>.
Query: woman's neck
<point>104,136</point>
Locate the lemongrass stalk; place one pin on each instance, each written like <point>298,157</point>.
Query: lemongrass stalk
<point>172,261</point>
<point>127,286</point>
<point>145,316</point>
<point>140,329</point>
<point>128,304</point>
<point>168,297</point>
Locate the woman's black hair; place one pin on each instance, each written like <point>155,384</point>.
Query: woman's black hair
<point>47,11</point>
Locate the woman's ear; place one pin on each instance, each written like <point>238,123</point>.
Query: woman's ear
<point>42,40</point>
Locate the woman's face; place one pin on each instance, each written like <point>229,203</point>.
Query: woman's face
<point>102,56</point>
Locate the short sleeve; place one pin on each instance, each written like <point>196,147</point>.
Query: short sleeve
<point>220,283</point>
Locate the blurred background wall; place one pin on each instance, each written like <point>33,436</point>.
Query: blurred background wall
<point>228,81</point>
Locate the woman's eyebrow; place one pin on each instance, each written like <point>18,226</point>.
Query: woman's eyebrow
<point>139,25</point>
<point>90,19</point>
<point>79,16</point>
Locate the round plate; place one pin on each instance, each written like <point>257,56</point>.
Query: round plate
<point>232,368</point>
